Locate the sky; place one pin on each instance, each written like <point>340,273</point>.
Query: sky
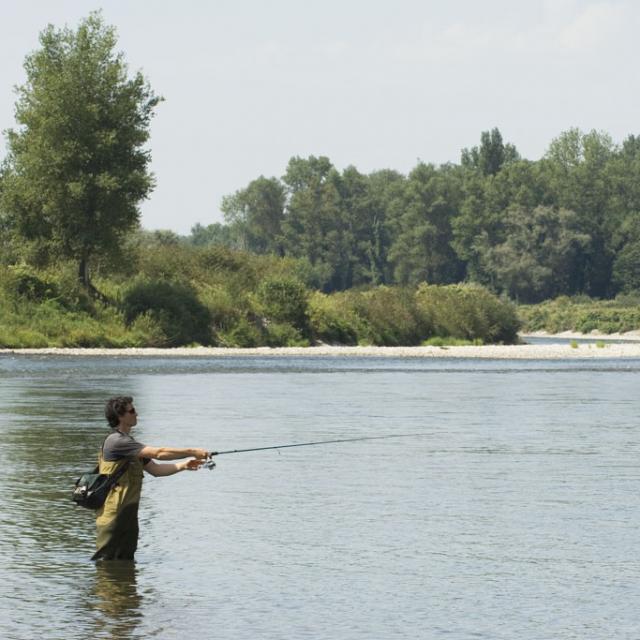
<point>248,84</point>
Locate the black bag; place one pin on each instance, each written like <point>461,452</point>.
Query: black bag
<point>92,488</point>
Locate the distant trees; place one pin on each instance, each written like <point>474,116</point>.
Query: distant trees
<point>77,166</point>
<point>568,223</point>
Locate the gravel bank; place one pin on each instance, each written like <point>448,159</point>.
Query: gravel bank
<point>527,351</point>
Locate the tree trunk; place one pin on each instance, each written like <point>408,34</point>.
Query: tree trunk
<point>83,273</point>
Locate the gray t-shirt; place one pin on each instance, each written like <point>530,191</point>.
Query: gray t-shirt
<point>120,445</point>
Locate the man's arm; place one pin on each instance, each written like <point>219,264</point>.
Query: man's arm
<point>170,453</point>
<point>159,470</point>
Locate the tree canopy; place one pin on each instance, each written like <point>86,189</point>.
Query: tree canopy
<point>77,166</point>
<point>565,224</point>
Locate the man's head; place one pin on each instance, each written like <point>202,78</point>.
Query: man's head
<point>121,412</point>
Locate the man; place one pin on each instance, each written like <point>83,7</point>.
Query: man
<point>117,519</point>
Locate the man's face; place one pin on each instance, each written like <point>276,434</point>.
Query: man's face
<point>130,417</point>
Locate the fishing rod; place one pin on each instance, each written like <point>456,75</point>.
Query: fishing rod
<point>210,464</point>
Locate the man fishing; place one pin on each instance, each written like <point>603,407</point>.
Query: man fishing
<point>117,519</point>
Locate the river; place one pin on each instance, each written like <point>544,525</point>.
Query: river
<point>512,513</point>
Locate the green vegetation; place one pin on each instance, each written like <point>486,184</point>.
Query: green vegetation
<point>316,256</point>
<point>583,315</point>
<point>567,224</point>
<point>77,167</point>
<point>184,295</point>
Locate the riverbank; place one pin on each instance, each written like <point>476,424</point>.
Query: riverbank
<point>630,336</point>
<point>596,349</point>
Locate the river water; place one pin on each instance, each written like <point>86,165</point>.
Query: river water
<point>513,513</point>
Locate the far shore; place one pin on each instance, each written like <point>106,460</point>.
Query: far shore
<point>596,346</point>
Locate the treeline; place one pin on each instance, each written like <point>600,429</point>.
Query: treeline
<point>566,224</point>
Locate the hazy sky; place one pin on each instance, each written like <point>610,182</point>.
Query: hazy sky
<point>250,83</point>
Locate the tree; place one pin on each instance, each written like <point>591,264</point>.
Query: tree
<point>365,202</point>
<point>626,267</point>
<point>316,224</point>
<point>255,215</point>
<point>215,233</point>
<point>492,154</point>
<point>542,255</point>
<point>77,167</point>
<point>580,178</point>
<point>422,249</point>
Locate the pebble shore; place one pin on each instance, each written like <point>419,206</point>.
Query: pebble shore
<point>596,347</point>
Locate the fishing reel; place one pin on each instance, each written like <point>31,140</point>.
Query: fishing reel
<point>209,464</point>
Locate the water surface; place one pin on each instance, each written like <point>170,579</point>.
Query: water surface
<point>513,513</point>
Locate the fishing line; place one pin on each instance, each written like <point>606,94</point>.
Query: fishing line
<point>210,464</point>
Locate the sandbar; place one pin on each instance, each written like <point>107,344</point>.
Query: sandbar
<point>596,347</point>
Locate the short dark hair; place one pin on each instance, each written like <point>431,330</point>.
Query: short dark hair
<point>115,409</point>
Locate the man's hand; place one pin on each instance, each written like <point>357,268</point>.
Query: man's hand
<point>200,454</point>
<point>190,465</point>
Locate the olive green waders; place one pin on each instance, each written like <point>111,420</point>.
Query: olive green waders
<point>117,519</point>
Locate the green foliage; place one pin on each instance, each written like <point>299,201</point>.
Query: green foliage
<point>234,299</point>
<point>215,233</point>
<point>582,314</point>
<point>255,214</point>
<point>421,250</point>
<point>334,319</point>
<point>406,316</point>
<point>77,167</point>
<point>557,226</point>
<point>282,334</point>
<point>48,323</point>
<point>469,312</point>
<point>243,333</point>
<point>24,284</point>
<point>389,317</point>
<point>174,307</point>
<point>492,154</point>
<point>542,254</point>
<point>283,300</point>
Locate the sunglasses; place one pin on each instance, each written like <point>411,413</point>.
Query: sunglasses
<point>132,410</point>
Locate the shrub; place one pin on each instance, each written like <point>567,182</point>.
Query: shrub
<point>582,314</point>
<point>174,307</point>
<point>243,334</point>
<point>284,300</point>
<point>333,319</point>
<point>284,335</point>
<point>390,317</point>
<point>469,312</point>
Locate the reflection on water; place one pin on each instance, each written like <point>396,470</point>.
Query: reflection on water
<point>116,599</point>
<point>513,514</point>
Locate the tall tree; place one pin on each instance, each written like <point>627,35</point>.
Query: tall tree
<point>422,249</point>
<point>626,267</point>
<point>579,169</point>
<point>255,215</point>
<point>491,155</point>
<point>315,225</point>
<point>541,256</point>
<point>77,167</point>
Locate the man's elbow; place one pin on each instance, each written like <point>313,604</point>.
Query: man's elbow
<point>155,453</point>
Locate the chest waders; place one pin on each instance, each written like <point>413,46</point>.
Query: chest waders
<point>117,519</point>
